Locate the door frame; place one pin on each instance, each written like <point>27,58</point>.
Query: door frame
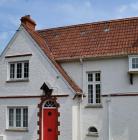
<point>43,102</point>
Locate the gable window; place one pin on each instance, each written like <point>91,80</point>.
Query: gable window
<point>94,87</point>
<point>19,70</point>
<point>18,117</point>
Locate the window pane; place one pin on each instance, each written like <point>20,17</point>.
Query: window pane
<point>98,92</point>
<point>136,59</point>
<point>19,70</point>
<point>11,117</point>
<point>26,70</point>
<point>133,60</point>
<point>18,117</point>
<point>25,117</point>
<point>90,93</point>
<point>97,77</point>
<point>12,70</point>
<point>134,63</point>
<point>133,66</point>
<point>90,77</point>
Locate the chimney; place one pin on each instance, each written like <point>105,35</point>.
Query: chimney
<point>28,22</point>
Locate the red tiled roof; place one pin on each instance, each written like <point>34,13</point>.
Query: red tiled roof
<point>42,44</point>
<point>99,39</point>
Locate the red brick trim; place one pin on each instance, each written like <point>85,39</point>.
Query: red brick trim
<point>40,107</point>
<point>116,95</point>
<point>14,97</point>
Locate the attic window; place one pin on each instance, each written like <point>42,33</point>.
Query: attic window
<point>18,70</point>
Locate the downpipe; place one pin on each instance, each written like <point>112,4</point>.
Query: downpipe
<point>108,101</point>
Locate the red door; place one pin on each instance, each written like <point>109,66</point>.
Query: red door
<point>50,124</point>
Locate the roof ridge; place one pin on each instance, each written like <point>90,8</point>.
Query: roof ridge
<point>90,23</point>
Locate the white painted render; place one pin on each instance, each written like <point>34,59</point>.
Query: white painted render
<point>32,118</point>
<point>41,70</point>
<point>115,120</point>
<point>114,74</point>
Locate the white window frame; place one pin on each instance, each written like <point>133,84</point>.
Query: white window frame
<point>131,69</point>
<point>94,82</point>
<point>15,70</point>
<point>14,119</point>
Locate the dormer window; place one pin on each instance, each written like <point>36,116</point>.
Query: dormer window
<point>133,63</point>
<point>19,70</point>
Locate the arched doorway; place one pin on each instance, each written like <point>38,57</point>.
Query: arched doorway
<point>50,120</point>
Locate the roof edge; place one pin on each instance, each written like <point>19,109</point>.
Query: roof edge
<point>43,46</point>
<point>89,23</point>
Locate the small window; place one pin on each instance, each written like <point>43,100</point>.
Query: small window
<point>92,129</point>
<point>18,117</point>
<point>94,87</point>
<point>50,103</point>
<point>19,70</point>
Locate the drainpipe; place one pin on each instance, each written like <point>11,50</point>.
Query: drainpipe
<point>108,100</point>
<point>80,104</point>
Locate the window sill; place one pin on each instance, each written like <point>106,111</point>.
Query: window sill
<point>93,106</point>
<point>92,134</point>
<point>17,129</point>
<point>17,80</point>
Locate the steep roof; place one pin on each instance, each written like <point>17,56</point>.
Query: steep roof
<point>98,39</point>
<point>42,44</point>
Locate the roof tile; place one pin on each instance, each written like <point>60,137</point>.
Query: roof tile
<point>107,38</point>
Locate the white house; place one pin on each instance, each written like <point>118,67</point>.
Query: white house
<point>76,82</point>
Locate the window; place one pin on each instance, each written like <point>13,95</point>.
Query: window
<point>50,103</point>
<point>92,131</point>
<point>19,70</point>
<point>18,117</point>
<point>94,87</point>
<point>135,63</point>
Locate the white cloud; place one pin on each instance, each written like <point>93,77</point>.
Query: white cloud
<point>122,8</point>
<point>75,13</point>
<point>131,7</point>
<point>3,36</point>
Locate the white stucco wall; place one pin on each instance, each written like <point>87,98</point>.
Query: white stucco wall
<point>32,118</point>
<point>122,111</point>
<point>40,70</point>
<point>114,74</point>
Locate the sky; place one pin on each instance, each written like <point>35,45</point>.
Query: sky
<point>56,13</point>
